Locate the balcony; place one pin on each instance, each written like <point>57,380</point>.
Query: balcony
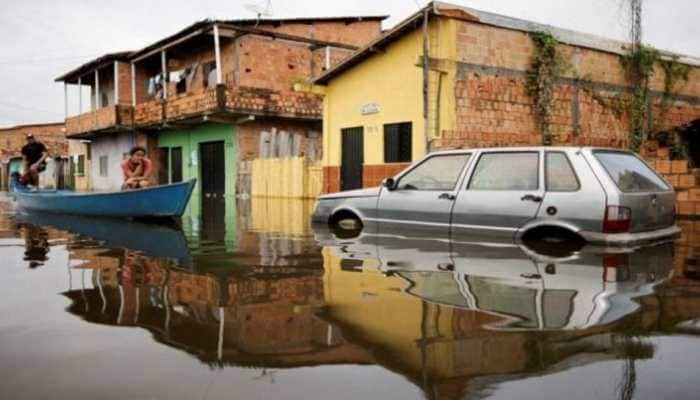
<point>222,101</point>
<point>106,119</point>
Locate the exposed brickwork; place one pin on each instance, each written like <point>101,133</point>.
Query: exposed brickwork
<point>373,175</point>
<point>124,77</point>
<point>331,179</point>
<point>355,33</point>
<point>52,135</point>
<point>111,117</point>
<point>269,102</point>
<point>494,108</point>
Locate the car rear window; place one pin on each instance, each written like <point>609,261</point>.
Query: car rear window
<point>629,173</point>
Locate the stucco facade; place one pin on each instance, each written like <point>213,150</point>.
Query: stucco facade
<point>106,155</point>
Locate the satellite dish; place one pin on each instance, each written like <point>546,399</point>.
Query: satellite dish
<point>260,9</point>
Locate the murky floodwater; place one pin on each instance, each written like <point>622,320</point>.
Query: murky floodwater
<point>263,307</point>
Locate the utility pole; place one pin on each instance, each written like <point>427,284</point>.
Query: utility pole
<point>636,23</point>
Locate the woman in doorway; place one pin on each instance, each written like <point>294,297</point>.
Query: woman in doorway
<point>137,169</point>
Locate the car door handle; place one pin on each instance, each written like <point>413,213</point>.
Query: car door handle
<point>531,197</point>
<point>447,196</point>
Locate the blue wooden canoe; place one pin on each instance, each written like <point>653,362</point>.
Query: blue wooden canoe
<point>154,202</point>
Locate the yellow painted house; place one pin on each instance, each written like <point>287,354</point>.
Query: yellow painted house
<point>374,122</point>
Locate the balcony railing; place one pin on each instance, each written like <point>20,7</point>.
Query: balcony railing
<point>213,101</point>
<point>104,119</point>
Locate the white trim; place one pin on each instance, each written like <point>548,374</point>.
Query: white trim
<point>164,72</point>
<point>65,99</point>
<point>217,53</point>
<point>133,84</point>
<point>116,82</point>
<point>80,96</point>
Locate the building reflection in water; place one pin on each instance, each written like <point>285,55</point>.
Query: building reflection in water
<point>453,318</point>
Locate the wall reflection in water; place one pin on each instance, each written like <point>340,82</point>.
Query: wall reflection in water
<point>445,315</point>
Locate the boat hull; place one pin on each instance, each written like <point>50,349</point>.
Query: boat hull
<point>155,202</point>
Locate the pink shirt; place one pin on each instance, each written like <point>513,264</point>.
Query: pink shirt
<point>128,168</point>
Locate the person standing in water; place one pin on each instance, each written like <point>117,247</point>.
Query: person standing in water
<point>34,154</point>
<point>137,169</point>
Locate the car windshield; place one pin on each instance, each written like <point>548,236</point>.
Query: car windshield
<point>435,173</point>
<point>630,173</point>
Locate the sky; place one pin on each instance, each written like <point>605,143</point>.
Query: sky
<point>41,39</point>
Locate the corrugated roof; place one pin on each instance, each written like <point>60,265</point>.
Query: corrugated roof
<point>94,64</point>
<point>483,17</point>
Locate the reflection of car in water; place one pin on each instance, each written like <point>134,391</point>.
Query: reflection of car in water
<point>528,289</point>
<point>603,196</point>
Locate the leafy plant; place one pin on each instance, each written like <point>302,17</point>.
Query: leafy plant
<point>545,68</point>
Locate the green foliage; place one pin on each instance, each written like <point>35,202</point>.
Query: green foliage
<point>639,68</point>
<point>545,68</point>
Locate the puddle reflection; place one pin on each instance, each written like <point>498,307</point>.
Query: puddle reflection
<point>265,290</point>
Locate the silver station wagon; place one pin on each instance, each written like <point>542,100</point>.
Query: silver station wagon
<point>603,196</point>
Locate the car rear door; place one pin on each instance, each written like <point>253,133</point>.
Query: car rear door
<point>504,191</point>
<point>423,197</point>
<point>650,199</point>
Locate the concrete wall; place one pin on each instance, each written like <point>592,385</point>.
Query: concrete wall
<point>113,147</point>
<point>189,140</point>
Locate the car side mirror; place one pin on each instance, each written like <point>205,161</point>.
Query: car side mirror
<point>389,184</point>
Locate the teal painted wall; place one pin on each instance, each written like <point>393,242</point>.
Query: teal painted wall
<point>16,165</point>
<point>189,139</point>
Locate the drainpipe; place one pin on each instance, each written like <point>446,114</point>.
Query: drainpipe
<point>426,77</point>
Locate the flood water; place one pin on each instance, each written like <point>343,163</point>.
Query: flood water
<point>261,306</point>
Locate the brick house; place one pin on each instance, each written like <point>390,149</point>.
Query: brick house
<point>476,95</point>
<point>14,138</point>
<point>200,99</point>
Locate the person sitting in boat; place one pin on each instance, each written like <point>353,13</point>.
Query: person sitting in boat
<point>34,155</point>
<point>137,169</point>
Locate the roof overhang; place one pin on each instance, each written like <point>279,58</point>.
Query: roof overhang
<point>100,62</point>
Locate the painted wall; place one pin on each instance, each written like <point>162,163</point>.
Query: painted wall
<point>189,140</point>
<point>114,147</point>
<point>75,149</point>
<point>393,79</point>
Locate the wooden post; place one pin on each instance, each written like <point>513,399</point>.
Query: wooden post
<point>164,71</point>
<point>217,54</point>
<point>97,95</point>
<point>65,99</point>
<point>116,83</point>
<point>80,100</point>
<point>133,84</point>
<point>328,58</point>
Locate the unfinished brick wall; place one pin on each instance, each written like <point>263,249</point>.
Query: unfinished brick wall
<point>262,101</point>
<point>267,63</point>
<point>357,33</point>
<point>493,107</point>
<point>124,78</point>
<point>13,139</point>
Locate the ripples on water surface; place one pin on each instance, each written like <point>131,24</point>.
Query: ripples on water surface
<point>259,306</point>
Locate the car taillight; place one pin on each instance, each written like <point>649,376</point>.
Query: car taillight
<point>617,219</point>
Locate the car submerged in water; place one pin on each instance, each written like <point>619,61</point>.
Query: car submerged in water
<point>597,195</point>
